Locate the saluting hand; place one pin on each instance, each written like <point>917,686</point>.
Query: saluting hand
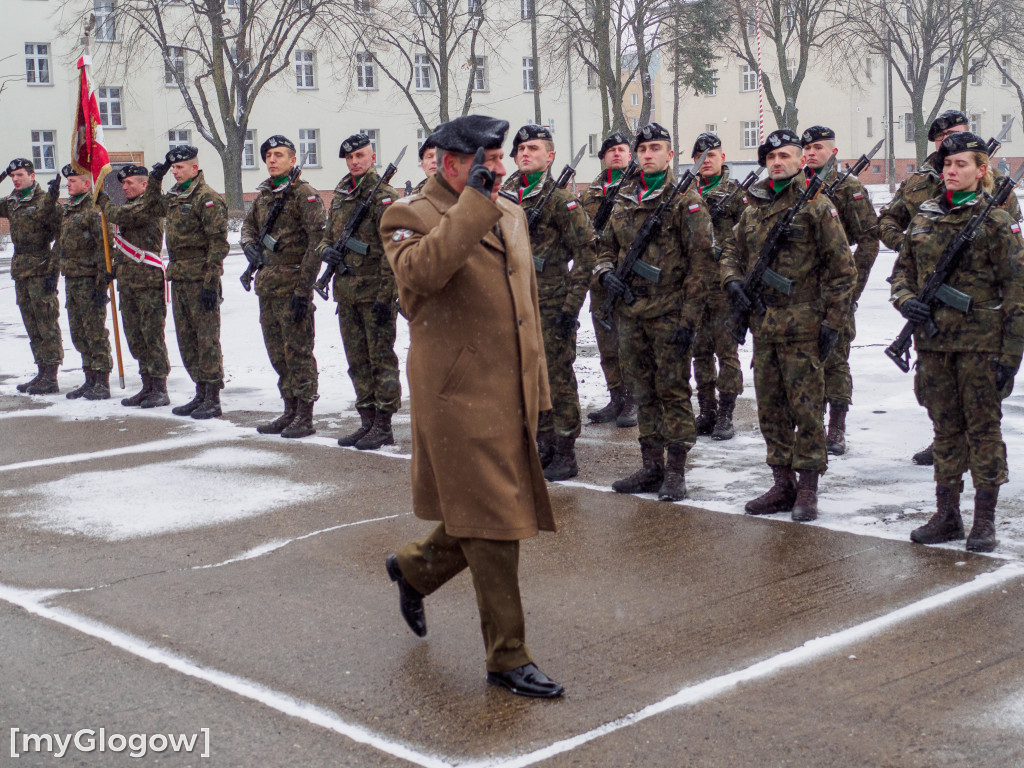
<point>481,178</point>
<point>53,187</point>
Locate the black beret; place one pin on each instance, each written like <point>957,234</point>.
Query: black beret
<point>132,170</point>
<point>68,172</point>
<point>182,153</point>
<point>705,142</point>
<point>817,133</point>
<point>651,132</point>
<point>467,134</point>
<point>961,141</point>
<point>613,140</point>
<point>945,121</point>
<point>428,143</point>
<point>354,142</point>
<point>528,133</point>
<point>20,162</point>
<point>780,138</point>
<point>277,140</point>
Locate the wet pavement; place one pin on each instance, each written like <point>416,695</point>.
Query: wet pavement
<point>199,575</point>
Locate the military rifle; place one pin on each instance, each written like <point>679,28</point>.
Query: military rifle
<point>264,240</point>
<point>935,290</point>
<point>348,241</point>
<point>722,204</point>
<point>605,211</point>
<point>533,215</point>
<point>856,170</point>
<point>993,145</point>
<point>762,273</point>
<point>648,230</point>
<point>3,175</point>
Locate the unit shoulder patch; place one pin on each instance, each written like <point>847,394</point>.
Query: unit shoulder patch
<point>401,234</point>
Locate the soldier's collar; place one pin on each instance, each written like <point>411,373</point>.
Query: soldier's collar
<point>651,183</point>
<point>956,199</point>
<point>711,183</point>
<point>278,181</point>
<point>76,199</point>
<point>24,194</point>
<point>184,186</point>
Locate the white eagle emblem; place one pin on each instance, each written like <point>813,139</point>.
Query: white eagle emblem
<point>401,234</point>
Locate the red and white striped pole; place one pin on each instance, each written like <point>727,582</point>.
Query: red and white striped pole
<point>760,90</point>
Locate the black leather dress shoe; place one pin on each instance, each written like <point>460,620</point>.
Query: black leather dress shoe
<point>527,680</point>
<point>410,602</point>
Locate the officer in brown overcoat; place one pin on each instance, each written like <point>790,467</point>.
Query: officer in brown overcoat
<point>477,377</point>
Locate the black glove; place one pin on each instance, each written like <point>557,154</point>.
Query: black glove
<point>158,171</point>
<point>254,254</point>
<point>300,308</point>
<point>613,283</point>
<point>683,338</point>
<point>1004,376</point>
<point>332,256</point>
<point>916,310</point>
<point>50,283</point>
<point>99,297</point>
<point>737,296</point>
<point>481,178</point>
<point>53,187</point>
<point>827,339</point>
<point>209,299</point>
<point>567,322</point>
<point>381,311</point>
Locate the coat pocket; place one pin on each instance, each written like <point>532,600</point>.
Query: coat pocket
<point>453,381</point>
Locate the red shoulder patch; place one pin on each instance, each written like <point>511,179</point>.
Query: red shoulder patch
<point>857,195</point>
<point>571,204</point>
<point>209,203</point>
<point>1015,228</point>
<point>311,199</point>
<point>385,201</point>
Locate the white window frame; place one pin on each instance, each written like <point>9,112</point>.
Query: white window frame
<point>714,84</point>
<point>634,99</point>
<point>423,74</point>
<point>177,137</point>
<point>1004,72</point>
<point>361,6</point>
<point>309,147</point>
<point>594,144</point>
<point>791,67</point>
<point>941,69</point>
<point>421,136</point>
<point>475,8</point>
<point>366,72</point>
<point>748,79</point>
<point>233,4</point>
<point>44,147</point>
<point>974,123</point>
<point>529,75</point>
<point>908,127</point>
<point>420,8</point>
<point>870,129</point>
<point>526,9</point>
<point>976,73</point>
<point>711,128</point>
<point>374,134</point>
<point>37,64</point>
<point>109,99</point>
<point>177,57</point>
<point>480,83</point>
<point>105,30</point>
<point>249,156</point>
<point>305,70</point>
<point>749,135</point>
<point>1003,120</point>
<point>593,79</point>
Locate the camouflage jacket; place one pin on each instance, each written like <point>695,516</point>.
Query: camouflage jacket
<point>197,230</point>
<point>724,224</point>
<point>35,222</point>
<point>923,185</point>
<point>371,278</point>
<point>292,266</point>
<point>682,250</point>
<point>563,243</point>
<point>81,239</point>
<point>137,224</point>
<point>815,256</point>
<point>595,194</point>
<point>991,272</point>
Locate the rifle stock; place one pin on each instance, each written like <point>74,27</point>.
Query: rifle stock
<point>605,211</point>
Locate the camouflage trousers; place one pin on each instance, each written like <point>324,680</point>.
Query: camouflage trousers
<point>789,381</point>
<point>659,379</point>
<point>607,340</point>
<point>40,311</point>
<point>290,347</point>
<point>560,353</point>
<point>88,324</point>
<point>198,333</point>
<point>838,381</point>
<point>715,340</point>
<point>370,351</point>
<point>959,391</point>
<point>144,316</point>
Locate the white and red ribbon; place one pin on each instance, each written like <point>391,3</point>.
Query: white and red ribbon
<point>140,256</point>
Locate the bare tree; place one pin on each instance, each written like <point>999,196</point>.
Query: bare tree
<point>1006,49</point>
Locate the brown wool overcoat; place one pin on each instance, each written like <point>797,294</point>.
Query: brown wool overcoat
<point>477,375</point>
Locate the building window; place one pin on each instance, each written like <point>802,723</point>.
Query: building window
<point>37,63</point>
<point>480,74</point>
<point>178,138</point>
<point>911,168</point>
<point>249,150</point>
<point>309,147</point>
<point>749,134</point>
<point>748,78</point>
<point>1005,119</point>
<point>1004,72</point>
<point>174,67</point>
<point>476,8</point>
<point>593,81</point>
<point>361,6</point>
<point>941,69</point>
<point>526,9</point>
<point>420,8</point>
<point>588,8</point>
<point>374,135</point>
<point>594,144</point>
<point>421,136</point>
<point>711,128</point>
<point>974,123</point>
<point>422,72</point>
<point>876,168</point>
<point>789,17</point>
<point>304,71</point>
<point>867,67</point>
<point>713,91</point>
<point>976,66</point>
<point>110,107</point>
<point>366,77</point>
<point>106,20</point>
<point>908,127</point>
<point>751,25</point>
<point>233,3</point>
<point>634,124</point>
<point>529,83</point>
<point>44,150</point>
<point>634,99</point>
<point>791,68</point>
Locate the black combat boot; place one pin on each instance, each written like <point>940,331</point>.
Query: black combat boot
<point>835,440</point>
<point>926,457</point>
<point>368,416</point>
<point>708,410</point>
<point>563,464</point>
<point>982,537</point>
<point>302,424</point>
<point>100,386</point>
<point>627,416</point>
<point>23,387</point>
<point>546,447</point>
<point>611,411</point>
<point>806,507</point>
<point>157,393</point>
<point>723,424</point>
<point>779,498</point>
<point>195,402</point>
<point>210,407</point>
<point>379,435</point>
<point>651,474</point>
<point>946,524</point>
<point>139,396</point>
<point>276,427</point>
<point>673,488</point>
<point>90,379</point>
<point>46,384</point>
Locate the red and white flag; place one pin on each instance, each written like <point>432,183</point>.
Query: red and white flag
<point>88,155</point>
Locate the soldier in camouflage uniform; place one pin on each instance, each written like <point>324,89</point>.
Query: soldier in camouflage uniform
<point>364,288</point>
<point>795,336</point>
<point>36,270</point>
<point>714,337</point>
<point>656,331</point>
<point>563,254</point>
<point>86,279</point>
<point>139,238</point>
<point>284,283</point>
<point>926,184</point>
<point>615,156</point>
<point>857,215</point>
<point>197,241</point>
<point>965,371</point>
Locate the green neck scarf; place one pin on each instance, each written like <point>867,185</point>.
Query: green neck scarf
<point>25,194</point>
<point>959,198</point>
<point>78,198</point>
<point>531,180</point>
<point>711,183</point>
<point>183,186</point>
<point>778,187</point>
<point>651,183</point>
<point>278,181</point>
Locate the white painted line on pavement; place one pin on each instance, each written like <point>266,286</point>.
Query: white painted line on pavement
<point>168,444</point>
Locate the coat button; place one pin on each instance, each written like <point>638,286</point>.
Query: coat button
<point>520,321</point>
<point>511,271</point>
